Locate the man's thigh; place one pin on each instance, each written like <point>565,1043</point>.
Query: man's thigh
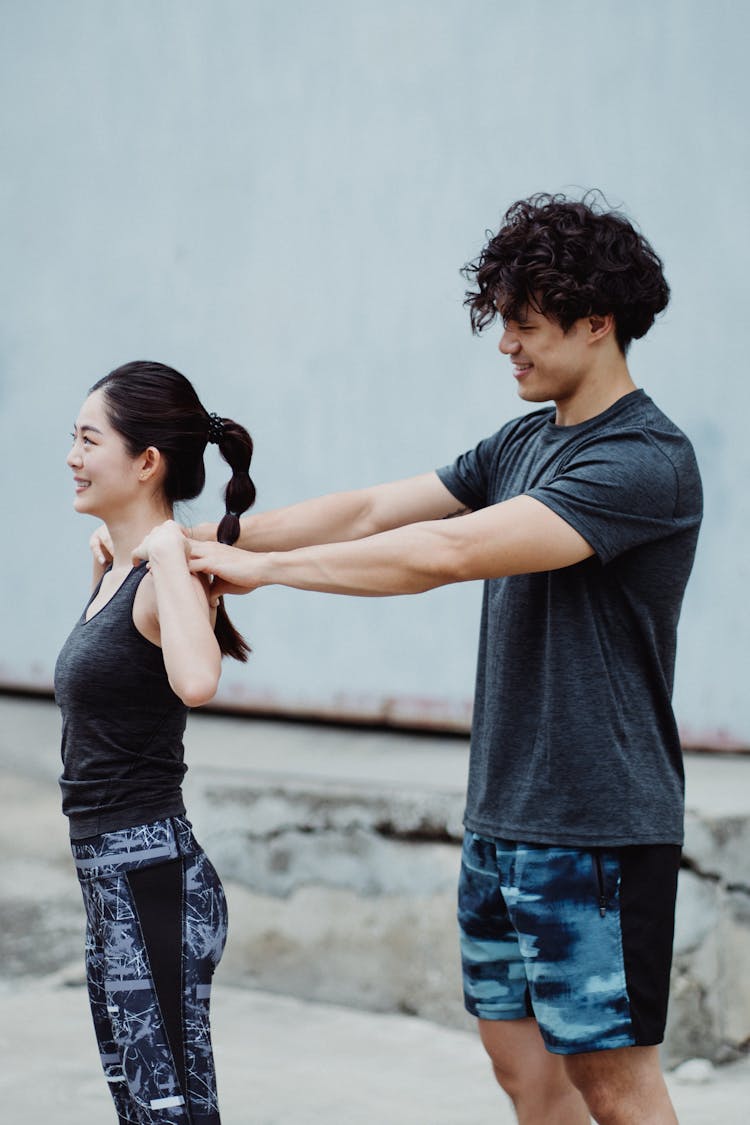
<point>579,938</point>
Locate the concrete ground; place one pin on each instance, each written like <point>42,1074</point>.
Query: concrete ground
<point>281,1061</point>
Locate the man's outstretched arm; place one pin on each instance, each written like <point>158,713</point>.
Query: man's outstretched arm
<point>343,516</point>
<point>518,536</point>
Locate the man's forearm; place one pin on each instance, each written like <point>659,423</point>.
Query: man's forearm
<point>407,560</point>
<point>344,516</point>
<point>518,536</point>
<point>326,519</point>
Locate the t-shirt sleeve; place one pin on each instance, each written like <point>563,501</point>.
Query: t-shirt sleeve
<point>618,492</point>
<point>469,475</point>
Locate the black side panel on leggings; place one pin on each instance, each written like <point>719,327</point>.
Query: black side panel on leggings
<point>157,892</point>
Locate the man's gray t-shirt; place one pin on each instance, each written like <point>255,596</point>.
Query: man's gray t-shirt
<point>574,740</point>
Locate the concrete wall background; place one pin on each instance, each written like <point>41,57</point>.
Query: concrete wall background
<point>276,197</point>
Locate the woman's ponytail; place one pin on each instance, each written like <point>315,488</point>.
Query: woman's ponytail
<point>236,447</point>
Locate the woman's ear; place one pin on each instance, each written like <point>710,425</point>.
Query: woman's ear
<point>151,463</point>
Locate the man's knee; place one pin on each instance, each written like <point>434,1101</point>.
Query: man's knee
<point>599,1095</point>
<point>624,1084</point>
<point>520,1062</point>
<point>509,1075</point>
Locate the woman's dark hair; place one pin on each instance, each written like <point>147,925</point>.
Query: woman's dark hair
<point>568,259</point>
<point>151,404</point>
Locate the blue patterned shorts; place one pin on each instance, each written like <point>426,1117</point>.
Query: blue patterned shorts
<point>579,939</point>
<point>156,927</point>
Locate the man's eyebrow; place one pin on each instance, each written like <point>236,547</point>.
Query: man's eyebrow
<point>520,319</point>
<point>519,314</point>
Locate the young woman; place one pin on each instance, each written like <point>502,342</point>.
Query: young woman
<point>147,647</point>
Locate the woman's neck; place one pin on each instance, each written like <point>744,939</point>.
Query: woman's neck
<point>128,528</point>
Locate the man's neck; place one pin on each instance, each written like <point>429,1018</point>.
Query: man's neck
<point>596,394</point>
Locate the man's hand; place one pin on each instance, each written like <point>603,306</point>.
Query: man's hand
<point>234,571</point>
<point>204,532</point>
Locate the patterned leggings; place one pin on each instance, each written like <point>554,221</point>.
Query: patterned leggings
<point>156,928</point>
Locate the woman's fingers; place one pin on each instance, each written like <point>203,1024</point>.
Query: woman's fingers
<point>140,553</point>
<point>100,545</point>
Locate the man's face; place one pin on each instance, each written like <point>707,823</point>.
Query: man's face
<point>548,363</point>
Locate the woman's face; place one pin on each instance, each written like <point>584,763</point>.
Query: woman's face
<point>105,475</point>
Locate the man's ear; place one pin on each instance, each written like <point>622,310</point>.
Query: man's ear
<point>150,463</point>
<point>600,325</point>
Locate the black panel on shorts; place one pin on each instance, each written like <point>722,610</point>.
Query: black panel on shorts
<point>648,892</point>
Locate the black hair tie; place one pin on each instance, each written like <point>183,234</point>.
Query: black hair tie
<point>215,429</point>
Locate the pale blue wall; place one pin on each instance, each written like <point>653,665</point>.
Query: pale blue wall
<point>276,197</point>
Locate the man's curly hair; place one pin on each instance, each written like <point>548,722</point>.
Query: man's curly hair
<point>568,259</point>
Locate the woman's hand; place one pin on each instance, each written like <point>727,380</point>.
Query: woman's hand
<point>101,547</point>
<point>234,571</point>
<point>165,541</point>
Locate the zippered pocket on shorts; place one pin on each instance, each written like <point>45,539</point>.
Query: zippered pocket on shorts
<point>599,873</point>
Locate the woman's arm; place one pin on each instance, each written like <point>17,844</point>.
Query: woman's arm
<point>179,617</point>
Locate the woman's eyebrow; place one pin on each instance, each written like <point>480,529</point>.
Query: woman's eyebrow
<point>81,429</point>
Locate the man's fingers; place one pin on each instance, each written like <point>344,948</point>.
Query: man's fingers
<point>223,588</point>
<point>199,556</point>
<point>196,563</point>
<point>218,588</point>
<point>213,559</point>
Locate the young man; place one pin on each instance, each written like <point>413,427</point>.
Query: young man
<point>582,519</point>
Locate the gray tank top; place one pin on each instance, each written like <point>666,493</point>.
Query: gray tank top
<point>122,725</point>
